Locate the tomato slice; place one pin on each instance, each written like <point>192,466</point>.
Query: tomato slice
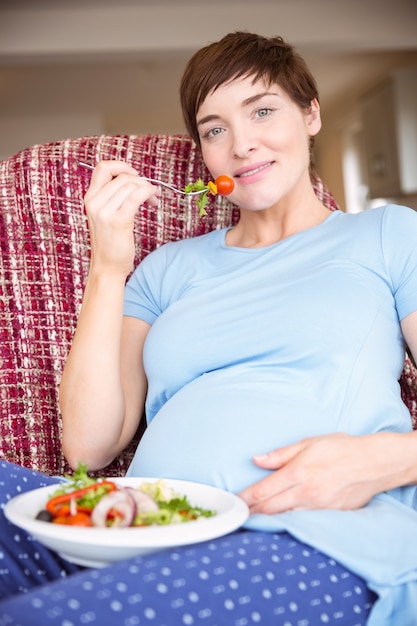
<point>79,519</point>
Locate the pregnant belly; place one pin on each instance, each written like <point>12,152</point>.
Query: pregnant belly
<point>210,432</point>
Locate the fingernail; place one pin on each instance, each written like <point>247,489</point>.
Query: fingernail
<point>261,457</point>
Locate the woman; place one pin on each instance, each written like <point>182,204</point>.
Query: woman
<point>267,357</point>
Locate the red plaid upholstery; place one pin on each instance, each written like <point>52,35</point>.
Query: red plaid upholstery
<point>44,248</point>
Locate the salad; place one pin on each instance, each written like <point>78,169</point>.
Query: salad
<point>101,503</point>
<point>223,185</point>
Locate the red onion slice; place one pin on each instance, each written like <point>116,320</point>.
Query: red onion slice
<point>144,502</point>
<point>122,502</point>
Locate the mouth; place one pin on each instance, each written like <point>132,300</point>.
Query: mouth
<point>246,172</point>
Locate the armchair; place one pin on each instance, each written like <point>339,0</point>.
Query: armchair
<point>44,258</point>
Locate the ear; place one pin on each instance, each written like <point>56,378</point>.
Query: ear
<point>313,118</point>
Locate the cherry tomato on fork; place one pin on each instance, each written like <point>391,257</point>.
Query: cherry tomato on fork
<point>224,184</point>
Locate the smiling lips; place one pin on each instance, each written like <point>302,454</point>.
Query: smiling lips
<point>248,172</point>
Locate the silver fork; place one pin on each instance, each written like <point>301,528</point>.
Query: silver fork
<point>87,166</point>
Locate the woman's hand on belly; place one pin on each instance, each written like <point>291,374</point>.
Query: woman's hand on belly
<point>336,471</point>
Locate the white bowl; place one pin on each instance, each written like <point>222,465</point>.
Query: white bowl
<point>97,547</point>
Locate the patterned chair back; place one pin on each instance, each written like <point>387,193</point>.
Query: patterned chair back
<point>44,258</point>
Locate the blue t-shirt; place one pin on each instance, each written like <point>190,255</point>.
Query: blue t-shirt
<point>251,349</point>
<point>254,348</point>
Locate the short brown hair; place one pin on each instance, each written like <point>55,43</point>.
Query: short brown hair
<point>242,54</point>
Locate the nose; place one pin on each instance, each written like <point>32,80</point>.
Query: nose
<point>243,142</point>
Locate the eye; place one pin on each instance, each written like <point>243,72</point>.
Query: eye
<point>264,112</point>
<point>213,132</point>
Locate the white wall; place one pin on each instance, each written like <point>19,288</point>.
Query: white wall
<point>83,67</point>
<point>23,131</point>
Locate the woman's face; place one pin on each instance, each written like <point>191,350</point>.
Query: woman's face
<point>256,134</point>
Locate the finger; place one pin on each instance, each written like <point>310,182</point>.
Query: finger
<point>288,500</point>
<point>262,490</point>
<point>123,194</point>
<point>105,171</point>
<point>284,491</point>
<point>154,200</point>
<point>278,457</point>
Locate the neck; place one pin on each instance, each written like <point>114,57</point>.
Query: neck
<point>257,229</point>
